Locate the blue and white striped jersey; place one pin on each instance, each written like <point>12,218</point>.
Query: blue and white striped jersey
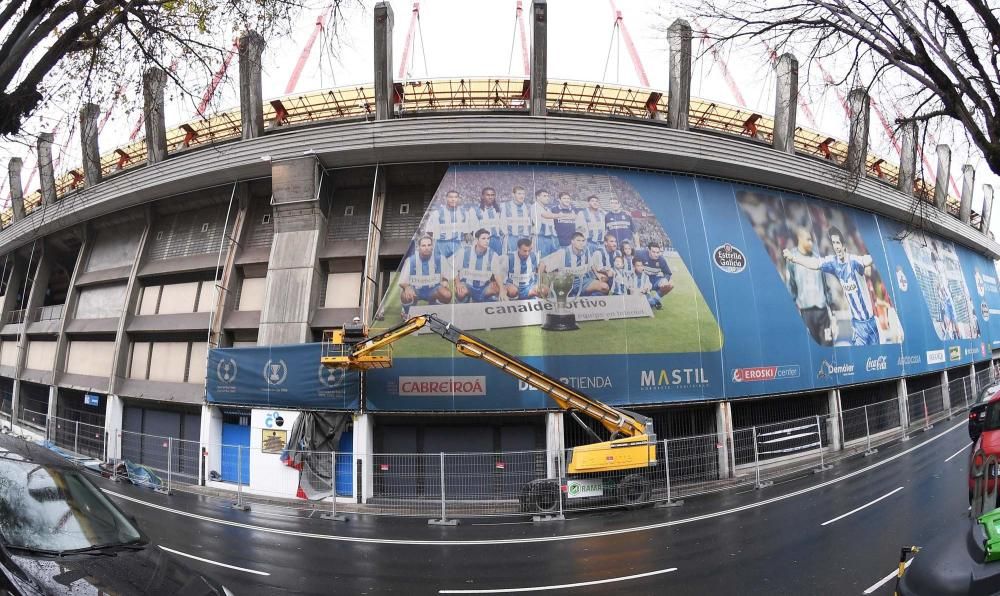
<point>518,220</point>
<point>448,224</point>
<point>473,267</point>
<point>851,273</point>
<point>593,224</point>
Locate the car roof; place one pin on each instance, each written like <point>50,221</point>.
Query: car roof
<point>995,389</point>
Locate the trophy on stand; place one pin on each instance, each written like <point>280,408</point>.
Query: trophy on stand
<point>561,318</point>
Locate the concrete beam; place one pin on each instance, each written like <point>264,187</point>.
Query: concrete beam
<point>251,92</point>
<point>46,173</point>
<point>369,285</point>
<point>857,146</point>
<point>133,290</point>
<point>941,181</point>
<point>786,103</point>
<point>383,61</point>
<point>90,149</point>
<point>984,227</point>
<point>968,182</point>
<point>154,80</point>
<point>16,195</point>
<point>69,306</point>
<point>539,57</point>
<point>679,90</point>
<point>908,159</point>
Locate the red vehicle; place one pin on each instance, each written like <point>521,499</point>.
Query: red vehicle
<point>984,430</point>
<point>977,413</point>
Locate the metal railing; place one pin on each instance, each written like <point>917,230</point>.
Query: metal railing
<point>17,317</point>
<point>475,94</point>
<point>32,418</point>
<point>81,438</point>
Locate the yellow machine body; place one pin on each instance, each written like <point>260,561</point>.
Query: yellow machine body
<point>612,456</point>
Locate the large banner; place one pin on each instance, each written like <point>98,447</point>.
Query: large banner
<point>641,287</point>
<point>279,377</point>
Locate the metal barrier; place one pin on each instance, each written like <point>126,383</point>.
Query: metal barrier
<point>32,418</point>
<point>6,414</point>
<point>79,437</point>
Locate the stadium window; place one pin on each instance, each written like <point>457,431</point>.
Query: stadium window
<point>204,227</point>
<point>266,219</point>
<point>349,211</point>
<point>159,235</point>
<point>404,209</point>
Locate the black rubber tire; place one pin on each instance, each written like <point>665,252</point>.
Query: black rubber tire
<point>545,497</point>
<point>633,491</point>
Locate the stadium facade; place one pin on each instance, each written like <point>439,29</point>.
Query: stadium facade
<point>732,269</point>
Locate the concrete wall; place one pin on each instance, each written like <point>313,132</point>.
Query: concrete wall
<point>100,302</point>
<point>40,354</point>
<point>91,358</point>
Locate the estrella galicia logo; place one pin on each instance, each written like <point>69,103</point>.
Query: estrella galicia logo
<point>275,373</point>
<point>826,369</point>
<point>226,370</point>
<point>331,376</point>
<point>729,258</point>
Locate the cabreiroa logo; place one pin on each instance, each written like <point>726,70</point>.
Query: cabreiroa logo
<point>729,258</point>
<point>442,385</point>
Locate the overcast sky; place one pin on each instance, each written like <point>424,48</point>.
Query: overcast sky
<point>464,38</point>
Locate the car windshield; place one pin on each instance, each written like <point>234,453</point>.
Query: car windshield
<point>50,508</point>
<point>988,393</point>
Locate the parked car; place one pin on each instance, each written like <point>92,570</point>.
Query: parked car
<point>977,413</point>
<point>59,534</point>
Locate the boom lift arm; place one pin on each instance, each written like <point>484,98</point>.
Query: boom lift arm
<point>358,351</point>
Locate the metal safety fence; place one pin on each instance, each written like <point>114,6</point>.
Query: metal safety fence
<point>79,437</point>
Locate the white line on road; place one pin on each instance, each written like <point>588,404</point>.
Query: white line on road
<point>559,538</point>
<point>211,562</point>
<point>868,504</point>
<point>885,579</point>
<point>560,586</point>
<point>952,456</point>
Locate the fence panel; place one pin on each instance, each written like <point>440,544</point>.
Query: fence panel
<point>79,437</point>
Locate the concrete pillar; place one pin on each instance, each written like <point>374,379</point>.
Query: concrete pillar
<point>16,278</point>
<point>114,415</point>
<point>133,289</point>
<point>857,147</point>
<point>364,427</point>
<point>211,442</point>
<point>786,103</point>
<point>251,92</point>
<point>69,306</point>
<point>227,284</point>
<point>904,412</point>
<point>973,385</point>
<point>908,159</point>
<point>555,444</point>
<point>46,173</point>
<point>679,89</point>
<point>946,390</point>
<point>984,226</point>
<point>90,148</point>
<point>15,402</point>
<point>383,61</point>
<point>724,440</point>
<point>293,272</point>
<point>16,195</point>
<point>968,183</point>
<point>833,428</point>
<point>369,283</point>
<point>53,407</point>
<point>539,58</point>
<point>941,181</point>
<point>154,80</point>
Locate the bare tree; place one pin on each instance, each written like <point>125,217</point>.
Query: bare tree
<point>940,57</point>
<point>54,51</point>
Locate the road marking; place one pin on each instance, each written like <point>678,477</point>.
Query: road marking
<point>211,562</point>
<point>560,586</point>
<point>952,456</point>
<point>885,579</point>
<point>868,504</point>
<point>601,534</point>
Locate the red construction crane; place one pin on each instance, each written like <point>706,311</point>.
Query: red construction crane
<point>721,62</point>
<point>408,44</point>
<point>217,78</point>
<point>629,46</point>
<point>293,80</point>
<point>525,54</point>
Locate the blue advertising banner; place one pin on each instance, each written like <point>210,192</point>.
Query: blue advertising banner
<point>669,288</point>
<point>281,377</point>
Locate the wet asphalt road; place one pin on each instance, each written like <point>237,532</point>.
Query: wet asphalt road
<point>775,544</point>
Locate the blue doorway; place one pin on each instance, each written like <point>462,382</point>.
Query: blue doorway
<point>345,464</point>
<point>236,453</point>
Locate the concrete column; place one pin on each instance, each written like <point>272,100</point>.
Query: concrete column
<point>539,58</point>
<point>972,382</point>
<point>225,294</point>
<point>946,389</point>
<point>293,272</point>
<point>15,400</point>
<point>17,274</point>
<point>968,183</point>
<point>251,92</point>
<point>69,307</point>
<point>908,159</point>
<point>369,279</point>
<point>555,443</point>
<point>53,407</point>
<point>90,148</point>
<point>904,412</point>
<point>833,428</point>
<point>364,427</point>
<point>857,147</point>
<point>211,442</point>
<point>724,432</point>
<point>119,359</point>
<point>984,226</point>
<point>786,103</point>
<point>383,61</point>
<point>36,295</point>
<point>154,80</point>
<point>943,172</point>
<point>114,415</point>
<point>16,195</point>
<point>46,173</point>
<point>679,89</point>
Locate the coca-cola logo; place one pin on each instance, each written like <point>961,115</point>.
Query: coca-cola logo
<point>729,258</point>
